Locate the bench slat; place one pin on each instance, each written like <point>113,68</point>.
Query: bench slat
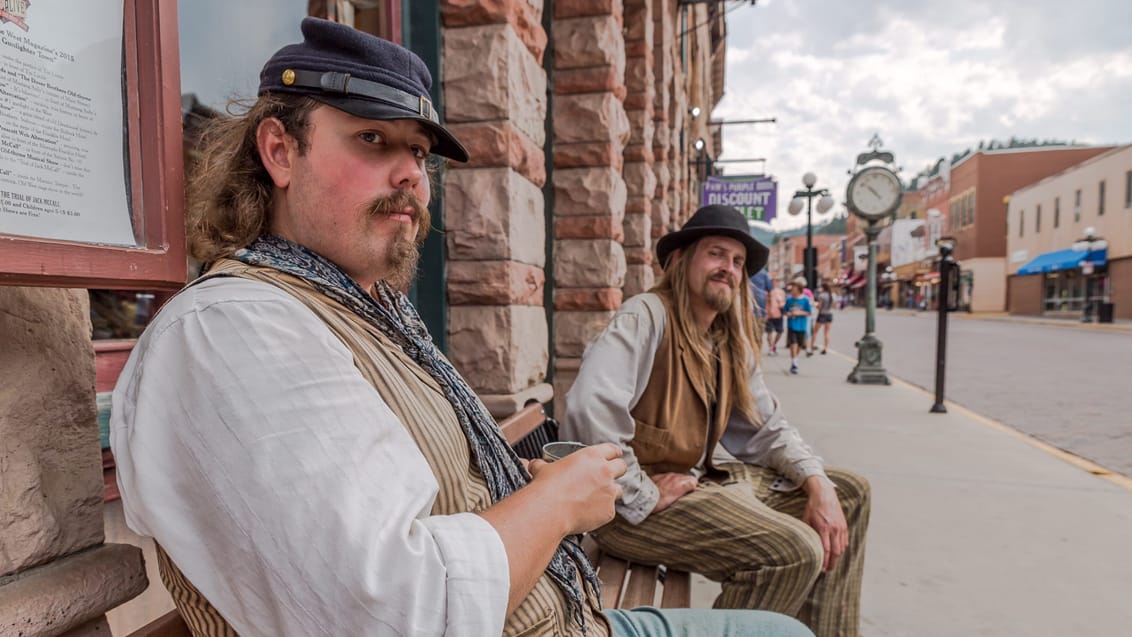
<point>677,590</point>
<point>611,572</point>
<point>168,625</point>
<point>641,588</point>
<point>516,426</point>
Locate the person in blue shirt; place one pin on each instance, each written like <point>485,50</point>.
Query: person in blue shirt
<point>761,283</point>
<point>797,312</point>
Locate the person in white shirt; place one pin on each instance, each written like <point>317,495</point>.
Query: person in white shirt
<point>718,481</point>
<point>305,459</point>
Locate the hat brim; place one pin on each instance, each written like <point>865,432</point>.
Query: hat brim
<point>757,253</point>
<point>446,144</point>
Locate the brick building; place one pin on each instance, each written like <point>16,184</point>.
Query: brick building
<point>976,214</point>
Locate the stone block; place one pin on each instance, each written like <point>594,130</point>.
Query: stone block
<point>498,349</point>
<point>642,126</point>
<point>494,214</point>
<point>65,596</point>
<point>601,154</point>
<point>589,41</point>
<point>590,117</point>
<point>594,79</point>
<point>640,179</point>
<point>638,256</point>
<point>489,75</point>
<point>639,75</point>
<point>639,205</point>
<point>639,152</point>
<point>565,371</point>
<point>524,16</point>
<point>573,331</point>
<point>583,299</point>
<point>495,283</point>
<point>638,231</point>
<point>588,263</point>
<point>638,279</point>
<point>588,227</point>
<point>51,469</point>
<point>589,191</point>
<point>663,178</point>
<point>499,143</point>
<point>576,8</point>
<point>639,24</point>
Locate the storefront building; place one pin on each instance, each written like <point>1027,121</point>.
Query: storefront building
<point>980,183</point>
<point>1069,241</point>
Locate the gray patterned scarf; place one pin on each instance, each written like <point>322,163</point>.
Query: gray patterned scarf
<point>394,316</point>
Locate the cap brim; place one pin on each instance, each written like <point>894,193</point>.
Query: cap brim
<point>446,145</point>
<point>757,253</point>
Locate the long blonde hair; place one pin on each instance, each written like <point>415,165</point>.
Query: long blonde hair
<point>734,329</point>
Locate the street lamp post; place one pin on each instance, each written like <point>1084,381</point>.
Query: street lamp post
<point>795,207</point>
<point>1089,244</point>
<point>948,282</point>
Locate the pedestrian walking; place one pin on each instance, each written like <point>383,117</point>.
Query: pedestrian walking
<point>824,302</point>
<point>809,294</point>
<point>761,284</point>
<point>797,310</point>
<point>775,300</point>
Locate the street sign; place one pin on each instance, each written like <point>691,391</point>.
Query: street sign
<point>753,195</point>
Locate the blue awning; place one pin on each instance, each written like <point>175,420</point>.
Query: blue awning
<point>1063,260</point>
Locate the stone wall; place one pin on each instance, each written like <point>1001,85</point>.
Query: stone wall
<point>55,572</point>
<point>495,87</point>
<point>591,130</point>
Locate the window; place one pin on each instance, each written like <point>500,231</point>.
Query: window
<point>1038,220</point>
<point>1100,199</point>
<point>1056,211</point>
<point>1128,189</point>
<point>1021,223</point>
<point>1077,206</point>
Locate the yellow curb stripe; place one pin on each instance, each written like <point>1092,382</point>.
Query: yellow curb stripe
<point>1061,454</point>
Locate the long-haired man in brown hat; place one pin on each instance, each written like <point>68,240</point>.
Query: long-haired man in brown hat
<point>306,460</point>
<point>718,481</point>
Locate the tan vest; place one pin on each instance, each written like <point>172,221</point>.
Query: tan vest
<point>672,429</point>
<point>420,405</point>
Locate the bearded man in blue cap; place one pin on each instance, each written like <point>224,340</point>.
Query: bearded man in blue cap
<point>718,482</point>
<point>306,460</point>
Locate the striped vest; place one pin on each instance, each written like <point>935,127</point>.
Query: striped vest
<point>418,402</point>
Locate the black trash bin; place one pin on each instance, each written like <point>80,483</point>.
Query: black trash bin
<point>1104,313</point>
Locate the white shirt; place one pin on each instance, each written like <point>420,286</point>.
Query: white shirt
<point>281,484</point>
<point>615,371</point>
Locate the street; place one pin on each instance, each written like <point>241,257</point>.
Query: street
<point>1067,386</point>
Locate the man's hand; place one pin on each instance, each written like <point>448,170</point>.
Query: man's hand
<point>824,514</point>
<point>582,485</point>
<point>672,487</point>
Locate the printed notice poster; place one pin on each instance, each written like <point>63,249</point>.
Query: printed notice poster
<point>752,195</point>
<point>62,134</point>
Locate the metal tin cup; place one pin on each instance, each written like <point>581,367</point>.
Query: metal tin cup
<point>552,451</point>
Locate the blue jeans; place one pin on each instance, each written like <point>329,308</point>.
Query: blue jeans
<point>647,621</point>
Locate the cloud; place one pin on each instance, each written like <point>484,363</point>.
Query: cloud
<point>931,78</point>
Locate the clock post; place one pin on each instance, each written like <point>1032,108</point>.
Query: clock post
<point>873,194</point>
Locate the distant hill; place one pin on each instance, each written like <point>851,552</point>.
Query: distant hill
<point>838,225</point>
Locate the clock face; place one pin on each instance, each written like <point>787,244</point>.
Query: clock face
<point>874,192</point>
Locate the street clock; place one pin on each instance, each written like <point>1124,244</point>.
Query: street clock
<point>874,193</point>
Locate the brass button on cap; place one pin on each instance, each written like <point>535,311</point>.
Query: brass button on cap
<point>288,77</point>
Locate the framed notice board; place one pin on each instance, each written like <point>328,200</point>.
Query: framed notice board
<point>91,175</point>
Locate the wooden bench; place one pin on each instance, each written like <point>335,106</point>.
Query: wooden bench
<point>623,585</point>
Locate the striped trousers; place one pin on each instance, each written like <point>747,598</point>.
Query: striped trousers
<point>753,541</point>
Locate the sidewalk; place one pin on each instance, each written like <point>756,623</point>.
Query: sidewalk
<point>1117,324</point>
<point>975,531</point>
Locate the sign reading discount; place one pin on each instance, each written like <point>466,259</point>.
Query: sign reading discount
<point>753,195</point>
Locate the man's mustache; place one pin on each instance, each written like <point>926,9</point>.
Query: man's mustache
<point>724,277</point>
<point>396,203</point>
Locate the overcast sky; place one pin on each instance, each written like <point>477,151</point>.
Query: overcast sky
<point>931,77</point>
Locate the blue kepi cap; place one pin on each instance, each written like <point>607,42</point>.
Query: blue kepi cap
<point>360,74</point>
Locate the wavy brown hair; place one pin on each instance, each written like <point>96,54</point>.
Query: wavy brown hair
<point>229,191</point>
<point>734,329</point>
